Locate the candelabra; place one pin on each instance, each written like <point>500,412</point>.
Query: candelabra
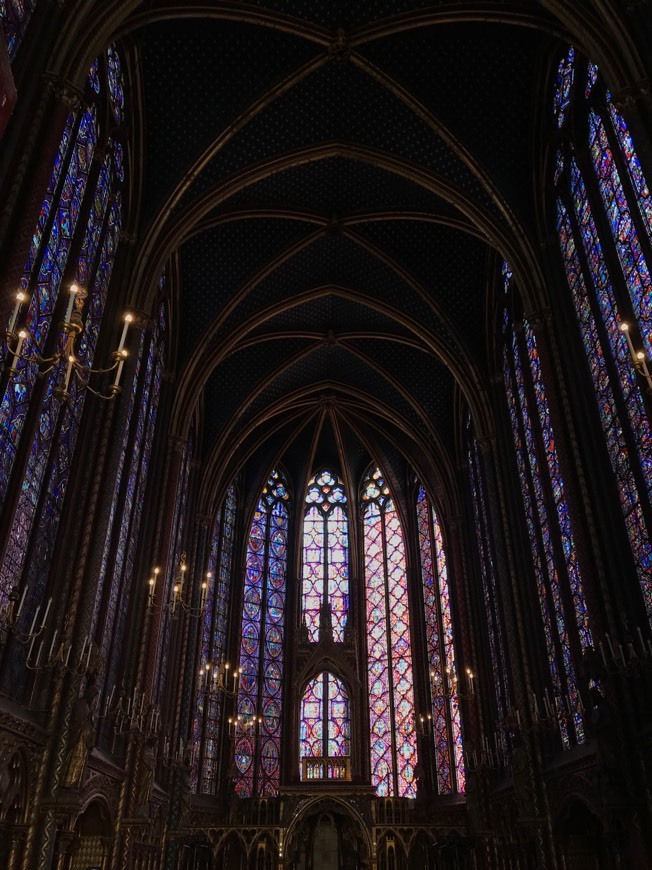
<point>639,360</point>
<point>71,329</point>
<point>176,602</point>
<point>137,714</point>
<point>240,726</point>
<point>220,679</point>
<point>449,687</point>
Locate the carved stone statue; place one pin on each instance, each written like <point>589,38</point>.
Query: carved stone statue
<point>145,775</point>
<point>82,734</point>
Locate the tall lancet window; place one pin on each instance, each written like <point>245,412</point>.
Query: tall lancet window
<point>325,729</point>
<point>325,555</point>
<point>209,708</point>
<point>258,724</point>
<point>447,728</point>
<point>604,223</point>
<point>391,692</point>
<point>557,571</point>
<point>77,234</point>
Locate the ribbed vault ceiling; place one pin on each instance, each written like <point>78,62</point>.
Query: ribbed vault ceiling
<point>331,181</point>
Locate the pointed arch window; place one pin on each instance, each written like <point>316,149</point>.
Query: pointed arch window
<point>258,723</point>
<point>209,709</point>
<point>488,571</point>
<point>559,584</point>
<point>391,689</point>
<point>325,729</point>
<point>116,574</point>
<point>447,728</point>
<point>325,555</point>
<point>604,227</point>
<point>82,212</point>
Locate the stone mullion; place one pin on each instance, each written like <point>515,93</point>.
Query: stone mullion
<point>419,640</point>
<point>195,657</point>
<point>459,590</point>
<point>173,463</point>
<point>185,680</point>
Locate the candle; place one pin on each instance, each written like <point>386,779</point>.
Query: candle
<point>71,360</point>
<point>638,633</point>
<point>624,328</point>
<point>622,654</point>
<point>31,647</point>
<point>22,335</point>
<point>128,319</point>
<point>31,628</point>
<point>535,706</point>
<point>20,296</point>
<point>68,655</point>
<point>54,638</point>
<point>38,654</point>
<point>22,601</point>
<point>611,647</point>
<point>71,302</point>
<point>118,374</point>
<point>111,696</point>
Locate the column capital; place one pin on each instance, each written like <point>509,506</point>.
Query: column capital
<point>631,95</point>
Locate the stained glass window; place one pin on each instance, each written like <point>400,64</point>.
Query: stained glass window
<point>209,710</point>
<point>599,218</point>
<point>59,223</point>
<point>325,555</point>
<point>93,213</point>
<point>111,605</point>
<point>14,17</point>
<point>391,691</point>
<point>258,725</point>
<point>325,720</point>
<point>446,724</point>
<point>556,568</point>
<point>489,576</point>
<point>565,78</point>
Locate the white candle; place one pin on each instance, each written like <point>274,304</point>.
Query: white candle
<point>36,612</point>
<point>47,610</point>
<point>71,302</point>
<point>88,657</point>
<point>31,647</point>
<point>38,654</point>
<point>68,654</point>
<point>71,360</point>
<point>611,648</point>
<point>118,373</point>
<point>128,319</point>
<point>622,654</point>
<point>604,658</point>
<point>20,296</point>
<point>638,633</point>
<point>624,328</point>
<point>22,601</point>
<point>54,638</point>
<point>22,335</point>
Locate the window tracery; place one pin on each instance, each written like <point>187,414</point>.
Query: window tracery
<point>604,227</point>
<point>391,691</point>
<point>258,725</point>
<point>325,555</point>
